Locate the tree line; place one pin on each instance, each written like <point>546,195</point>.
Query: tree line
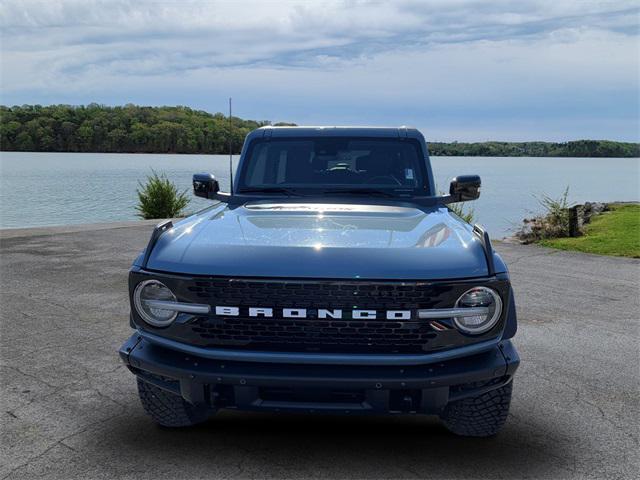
<point>127,129</point>
<point>137,129</point>
<point>577,148</point>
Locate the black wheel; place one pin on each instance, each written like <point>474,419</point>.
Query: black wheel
<point>168,409</point>
<point>480,416</point>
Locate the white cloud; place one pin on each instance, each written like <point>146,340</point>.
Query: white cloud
<point>351,59</point>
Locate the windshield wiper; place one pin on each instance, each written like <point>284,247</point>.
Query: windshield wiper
<point>396,193</point>
<point>286,191</point>
<point>365,191</point>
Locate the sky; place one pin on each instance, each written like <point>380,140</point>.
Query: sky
<point>457,69</point>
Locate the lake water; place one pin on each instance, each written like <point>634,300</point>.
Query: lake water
<point>38,189</point>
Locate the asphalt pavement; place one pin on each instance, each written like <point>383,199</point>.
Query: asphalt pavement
<point>69,408</point>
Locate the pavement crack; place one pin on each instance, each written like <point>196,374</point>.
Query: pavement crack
<point>24,314</point>
<point>60,442</point>
<point>107,397</point>
<point>579,398</point>
<point>36,398</point>
<point>54,347</point>
<point>516,260</point>
<point>16,369</point>
<point>68,446</point>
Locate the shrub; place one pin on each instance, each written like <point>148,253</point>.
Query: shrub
<point>557,214</point>
<point>160,198</point>
<point>460,210</point>
<point>553,223</point>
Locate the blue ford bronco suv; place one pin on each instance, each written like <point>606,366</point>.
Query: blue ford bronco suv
<point>332,278</point>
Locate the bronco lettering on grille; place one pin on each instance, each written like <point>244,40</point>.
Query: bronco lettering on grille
<point>269,312</point>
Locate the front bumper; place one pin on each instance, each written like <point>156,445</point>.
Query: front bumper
<point>281,386</point>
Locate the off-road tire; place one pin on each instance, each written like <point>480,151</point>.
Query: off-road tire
<point>168,409</point>
<point>480,416</point>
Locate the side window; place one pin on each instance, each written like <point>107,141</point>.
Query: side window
<point>409,174</point>
<point>269,166</point>
<point>281,167</point>
<point>258,167</point>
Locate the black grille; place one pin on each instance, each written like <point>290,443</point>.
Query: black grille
<point>314,294</point>
<point>313,334</point>
<point>316,335</point>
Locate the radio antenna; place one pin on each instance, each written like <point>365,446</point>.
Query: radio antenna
<point>230,151</point>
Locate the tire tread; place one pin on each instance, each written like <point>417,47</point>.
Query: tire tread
<point>168,409</point>
<point>480,416</point>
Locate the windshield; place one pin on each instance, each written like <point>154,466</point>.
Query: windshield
<point>334,164</point>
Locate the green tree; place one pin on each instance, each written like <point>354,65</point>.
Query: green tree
<point>160,198</point>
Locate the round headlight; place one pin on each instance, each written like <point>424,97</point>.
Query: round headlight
<point>144,295</point>
<point>485,307</point>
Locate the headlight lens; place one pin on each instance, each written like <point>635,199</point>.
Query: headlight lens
<point>479,297</point>
<point>154,290</point>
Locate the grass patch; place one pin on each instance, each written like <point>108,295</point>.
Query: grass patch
<point>616,232</point>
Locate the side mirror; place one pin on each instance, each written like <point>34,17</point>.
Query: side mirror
<point>205,185</point>
<point>464,188</point>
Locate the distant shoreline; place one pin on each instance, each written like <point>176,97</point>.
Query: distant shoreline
<point>137,129</point>
<point>572,149</point>
<point>237,154</point>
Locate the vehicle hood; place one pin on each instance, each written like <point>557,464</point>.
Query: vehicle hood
<point>313,240</point>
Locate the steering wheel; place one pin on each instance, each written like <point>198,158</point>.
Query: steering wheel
<point>340,167</point>
<point>384,179</point>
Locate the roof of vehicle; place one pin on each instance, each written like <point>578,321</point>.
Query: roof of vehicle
<point>337,131</point>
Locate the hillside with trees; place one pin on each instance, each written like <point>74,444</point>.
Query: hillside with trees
<point>578,148</point>
<point>127,129</point>
<point>136,129</point>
